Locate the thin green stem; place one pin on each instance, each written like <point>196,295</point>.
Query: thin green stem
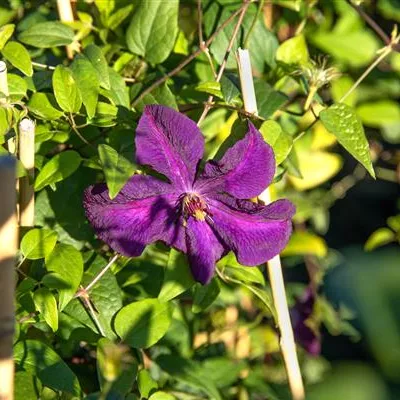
<point>385,53</point>
<point>253,24</point>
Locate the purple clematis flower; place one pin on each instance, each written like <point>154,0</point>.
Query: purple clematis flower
<point>300,313</point>
<point>204,215</point>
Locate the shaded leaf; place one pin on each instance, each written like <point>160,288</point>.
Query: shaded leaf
<point>38,358</point>
<point>117,169</point>
<point>177,277</point>
<point>47,34</point>
<point>143,323</point>
<point>46,304</point>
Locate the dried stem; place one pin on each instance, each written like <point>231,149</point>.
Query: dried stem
<point>27,157</point>
<point>190,58</point>
<point>225,60</point>
<point>8,249</point>
<point>288,346</point>
<point>66,15</point>
<point>379,31</point>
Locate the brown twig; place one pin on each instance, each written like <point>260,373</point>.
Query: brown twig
<point>194,106</point>
<point>371,22</point>
<point>227,54</point>
<point>8,249</point>
<point>188,59</point>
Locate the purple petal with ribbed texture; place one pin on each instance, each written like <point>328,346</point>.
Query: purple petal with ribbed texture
<point>245,170</point>
<point>170,143</point>
<point>255,233</point>
<point>203,250</point>
<point>143,212</point>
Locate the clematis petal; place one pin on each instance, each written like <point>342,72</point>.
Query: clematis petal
<point>203,250</point>
<point>245,170</point>
<point>170,143</point>
<point>143,212</point>
<point>255,233</point>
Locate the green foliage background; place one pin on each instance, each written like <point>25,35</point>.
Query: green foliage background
<point>181,340</point>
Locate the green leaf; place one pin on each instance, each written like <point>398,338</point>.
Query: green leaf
<point>379,113</point>
<point>205,295</point>
<point>340,87</point>
<point>46,304</point>
<point>88,83</point>
<point>280,141</point>
<point>160,95</point>
<point>212,87</point>
<point>293,51</point>
<point>117,169</point>
<point>6,32</point>
<point>96,57</point>
<point>105,295</point>
<point>17,87</point>
<point>111,362</point>
<point>115,20</point>
<point>66,265</point>
<point>18,56</point>
<point>24,386</point>
<point>58,168</point>
<point>356,48</point>
<point>66,91</point>
<point>41,360</point>
<point>230,88</point>
<point>379,238</point>
<point>268,100</point>
<point>162,396</point>
<point>118,92</point>
<point>38,243</point>
<point>177,277</point>
<point>153,29</point>
<point>143,323</point>
<point>147,385</point>
<point>188,372</point>
<point>43,105</point>
<point>394,222</point>
<point>47,34</point>
<point>305,243</point>
<point>343,122</point>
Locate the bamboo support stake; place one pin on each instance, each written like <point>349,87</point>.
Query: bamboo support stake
<point>66,15</point>
<point>8,249</point>
<point>288,346</point>
<point>27,157</point>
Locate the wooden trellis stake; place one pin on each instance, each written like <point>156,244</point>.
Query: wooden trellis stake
<point>8,249</point>
<point>287,343</point>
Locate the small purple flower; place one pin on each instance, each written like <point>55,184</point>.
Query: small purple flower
<point>300,315</point>
<point>204,215</point>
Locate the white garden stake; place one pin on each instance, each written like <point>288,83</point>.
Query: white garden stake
<point>27,158</point>
<point>288,346</point>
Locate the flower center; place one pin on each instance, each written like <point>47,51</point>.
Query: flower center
<point>194,206</point>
